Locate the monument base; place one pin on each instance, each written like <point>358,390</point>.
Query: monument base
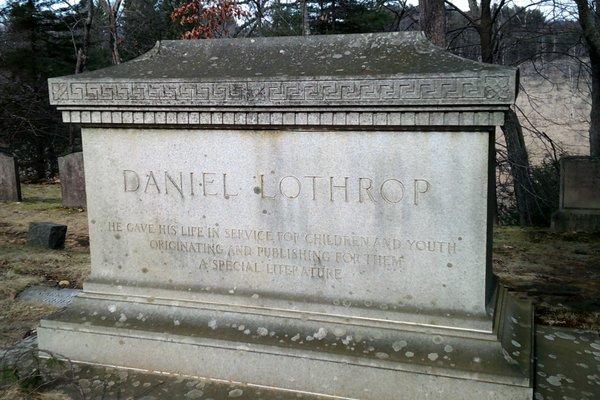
<point>300,355</point>
<point>580,221</point>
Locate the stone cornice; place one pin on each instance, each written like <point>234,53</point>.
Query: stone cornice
<point>495,89</point>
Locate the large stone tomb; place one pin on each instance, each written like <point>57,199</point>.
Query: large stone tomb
<point>579,195</point>
<point>310,214</point>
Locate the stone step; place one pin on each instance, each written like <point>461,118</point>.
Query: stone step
<point>269,350</point>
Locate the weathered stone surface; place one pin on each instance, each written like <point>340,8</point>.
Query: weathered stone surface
<point>392,69</point>
<point>308,356</point>
<point>580,183</point>
<point>72,180</point>
<point>566,367</point>
<point>579,195</point>
<point>299,223</point>
<point>10,185</point>
<point>46,234</point>
<point>281,225</point>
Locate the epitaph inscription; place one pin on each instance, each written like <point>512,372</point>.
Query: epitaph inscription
<point>325,217</point>
<point>289,254</point>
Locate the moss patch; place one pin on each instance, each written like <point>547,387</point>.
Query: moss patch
<point>561,272</point>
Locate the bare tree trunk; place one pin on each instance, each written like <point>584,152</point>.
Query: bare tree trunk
<point>485,32</point>
<point>82,52</point>
<point>113,39</point>
<point>112,12</point>
<point>518,160</point>
<point>589,19</point>
<point>304,11</point>
<point>260,15</point>
<point>433,20</point>
<point>595,113</point>
<point>333,15</point>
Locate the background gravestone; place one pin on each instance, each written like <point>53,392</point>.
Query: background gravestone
<point>579,195</point>
<point>306,213</point>
<point>10,185</point>
<point>72,180</point>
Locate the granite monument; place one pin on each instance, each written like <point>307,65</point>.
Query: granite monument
<point>304,213</point>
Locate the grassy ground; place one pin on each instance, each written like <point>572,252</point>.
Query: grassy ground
<point>22,266</point>
<point>561,272</point>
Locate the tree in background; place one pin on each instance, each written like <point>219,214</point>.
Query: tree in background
<point>207,19</point>
<point>84,48</point>
<point>349,16</point>
<point>63,37</point>
<point>270,18</point>
<point>304,18</point>
<point>274,19</point>
<point>484,19</point>
<point>143,24</point>
<point>432,20</point>
<point>588,12</point>
<point>35,45</point>
<point>111,9</point>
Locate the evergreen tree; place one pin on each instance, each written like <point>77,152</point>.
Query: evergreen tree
<point>36,45</point>
<point>143,25</point>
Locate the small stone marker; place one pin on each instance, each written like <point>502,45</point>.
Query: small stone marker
<point>72,180</point>
<point>579,195</point>
<point>10,184</point>
<point>46,234</point>
<point>306,213</point>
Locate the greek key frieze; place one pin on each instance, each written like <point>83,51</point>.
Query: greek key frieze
<point>488,89</point>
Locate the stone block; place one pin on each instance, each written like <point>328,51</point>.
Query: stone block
<point>10,185</point>
<point>46,234</point>
<point>72,180</point>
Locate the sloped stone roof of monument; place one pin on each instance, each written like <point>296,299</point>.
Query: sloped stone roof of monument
<point>383,69</point>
